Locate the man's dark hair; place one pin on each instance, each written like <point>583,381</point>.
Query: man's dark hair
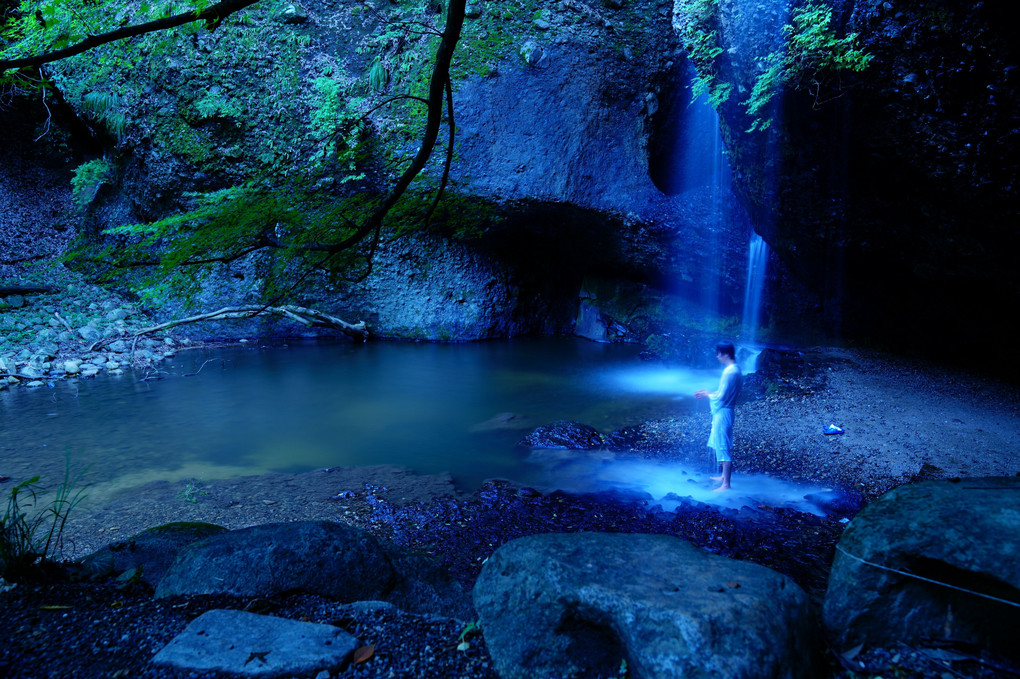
<point>727,349</point>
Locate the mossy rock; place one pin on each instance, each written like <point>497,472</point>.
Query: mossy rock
<point>150,552</point>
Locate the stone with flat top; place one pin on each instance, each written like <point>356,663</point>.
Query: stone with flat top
<point>251,645</point>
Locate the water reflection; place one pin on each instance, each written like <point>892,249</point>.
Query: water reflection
<point>431,407</point>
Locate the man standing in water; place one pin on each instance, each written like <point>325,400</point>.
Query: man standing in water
<point>721,403</point>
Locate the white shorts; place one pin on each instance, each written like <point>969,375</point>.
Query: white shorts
<point>721,438</point>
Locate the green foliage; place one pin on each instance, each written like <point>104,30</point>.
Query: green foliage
<point>378,76</point>
<point>338,125</point>
<point>698,24</point>
<point>812,54</point>
<point>87,177</point>
<point>812,57</point>
<point>215,105</point>
<point>251,108</point>
<point>102,107</point>
<point>471,628</point>
<point>30,538</point>
<point>190,143</point>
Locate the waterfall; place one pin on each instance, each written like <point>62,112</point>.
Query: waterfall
<point>705,169</point>
<point>757,259</point>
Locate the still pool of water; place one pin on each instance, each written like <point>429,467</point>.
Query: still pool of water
<point>459,408</point>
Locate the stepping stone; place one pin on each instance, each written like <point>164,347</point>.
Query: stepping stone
<point>251,645</point>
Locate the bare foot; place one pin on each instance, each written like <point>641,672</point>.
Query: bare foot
<point>716,478</point>
<point>721,489</point>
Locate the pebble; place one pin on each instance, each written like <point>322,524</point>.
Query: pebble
<point>36,345</point>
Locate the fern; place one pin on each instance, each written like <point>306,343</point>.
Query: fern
<point>812,52</point>
<point>101,107</point>
<point>378,76</point>
<point>87,177</point>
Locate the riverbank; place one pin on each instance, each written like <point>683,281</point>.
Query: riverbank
<point>900,422</point>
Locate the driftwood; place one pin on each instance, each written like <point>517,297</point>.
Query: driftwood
<point>303,315</point>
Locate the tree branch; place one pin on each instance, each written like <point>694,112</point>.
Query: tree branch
<point>212,15</point>
<point>303,315</point>
<point>449,152</point>
<point>437,86</point>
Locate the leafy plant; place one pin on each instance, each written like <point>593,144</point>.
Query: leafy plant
<point>812,54</point>
<point>470,629</point>
<point>102,107</point>
<point>378,76</point>
<point>87,177</point>
<point>29,539</point>
<point>190,492</point>
<point>697,21</point>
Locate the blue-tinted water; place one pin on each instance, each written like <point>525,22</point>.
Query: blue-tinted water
<point>431,407</point>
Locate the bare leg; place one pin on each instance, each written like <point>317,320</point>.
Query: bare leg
<point>715,464</point>
<point>727,470</point>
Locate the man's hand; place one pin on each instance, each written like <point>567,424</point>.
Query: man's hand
<point>701,393</point>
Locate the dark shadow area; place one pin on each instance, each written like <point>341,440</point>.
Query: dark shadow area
<point>591,637</point>
<point>977,606</point>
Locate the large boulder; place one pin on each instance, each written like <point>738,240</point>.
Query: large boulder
<point>149,553</point>
<point>580,605</point>
<point>930,561</point>
<point>316,557</point>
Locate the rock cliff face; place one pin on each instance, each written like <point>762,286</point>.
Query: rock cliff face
<point>559,109</point>
<point>891,194</point>
<point>889,198</point>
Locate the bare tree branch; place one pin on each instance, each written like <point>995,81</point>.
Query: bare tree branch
<point>212,15</point>
<point>449,152</point>
<point>303,315</point>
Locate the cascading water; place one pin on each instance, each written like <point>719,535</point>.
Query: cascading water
<point>757,260</point>
<point>704,167</point>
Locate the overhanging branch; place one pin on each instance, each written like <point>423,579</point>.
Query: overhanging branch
<point>212,15</point>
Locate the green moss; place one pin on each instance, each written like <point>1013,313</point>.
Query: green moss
<point>191,144</point>
<point>87,177</point>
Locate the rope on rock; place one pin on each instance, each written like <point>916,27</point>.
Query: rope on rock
<point>921,577</point>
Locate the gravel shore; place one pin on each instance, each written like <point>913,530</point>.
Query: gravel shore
<point>901,421</point>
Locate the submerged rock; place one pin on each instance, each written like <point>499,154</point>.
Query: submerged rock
<point>564,434</point>
<point>930,561</point>
<point>580,605</point>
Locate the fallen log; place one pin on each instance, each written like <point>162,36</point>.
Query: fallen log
<point>303,315</point>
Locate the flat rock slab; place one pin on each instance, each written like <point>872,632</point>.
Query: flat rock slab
<point>253,645</point>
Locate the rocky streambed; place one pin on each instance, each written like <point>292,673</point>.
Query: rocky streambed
<point>69,328</point>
